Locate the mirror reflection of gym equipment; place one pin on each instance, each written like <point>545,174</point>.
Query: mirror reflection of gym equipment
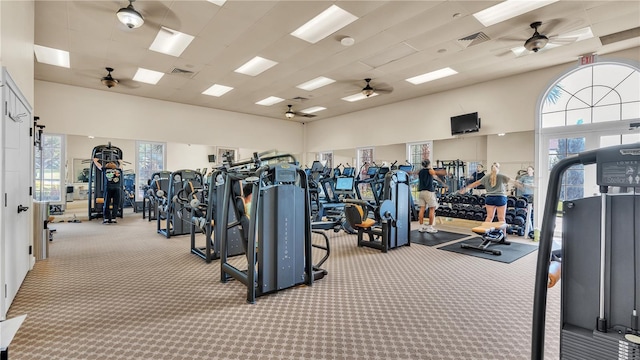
<point>104,154</point>
<point>173,218</point>
<point>599,261</point>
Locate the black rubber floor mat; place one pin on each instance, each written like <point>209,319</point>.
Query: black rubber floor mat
<point>432,239</point>
<point>510,253</point>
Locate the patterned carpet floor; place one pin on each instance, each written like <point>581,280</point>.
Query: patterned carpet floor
<point>121,291</point>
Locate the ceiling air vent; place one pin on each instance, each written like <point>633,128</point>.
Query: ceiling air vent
<point>300,99</point>
<point>473,39</point>
<point>620,36</point>
<point>182,72</point>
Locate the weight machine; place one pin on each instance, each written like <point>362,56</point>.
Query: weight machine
<point>455,169</point>
<point>104,154</point>
<point>277,235</point>
<point>155,193</point>
<point>176,218</point>
<point>600,290</point>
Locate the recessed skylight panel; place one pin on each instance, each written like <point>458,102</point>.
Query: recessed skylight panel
<point>316,83</point>
<point>256,66</point>
<point>171,42</point>
<point>51,56</point>
<point>325,24</point>
<point>217,90</point>
<point>431,76</point>
<point>508,9</point>
<point>148,76</point>
<point>271,100</point>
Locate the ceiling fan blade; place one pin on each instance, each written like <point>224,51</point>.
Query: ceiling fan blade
<point>129,84</point>
<point>549,26</point>
<point>382,90</point>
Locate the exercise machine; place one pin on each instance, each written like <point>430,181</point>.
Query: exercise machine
<point>391,224</point>
<point>104,154</point>
<point>600,289</point>
<point>172,218</point>
<point>155,194</point>
<point>492,233</point>
<point>214,225</point>
<point>277,232</point>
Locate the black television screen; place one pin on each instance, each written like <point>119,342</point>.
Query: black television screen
<point>466,123</point>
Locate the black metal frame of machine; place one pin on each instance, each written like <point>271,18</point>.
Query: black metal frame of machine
<point>600,290</point>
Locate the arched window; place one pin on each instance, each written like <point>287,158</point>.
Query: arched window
<point>591,94</point>
<point>585,108</point>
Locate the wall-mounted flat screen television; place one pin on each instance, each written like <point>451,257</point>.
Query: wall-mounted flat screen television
<point>466,123</point>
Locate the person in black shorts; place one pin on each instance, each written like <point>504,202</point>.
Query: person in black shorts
<point>496,198</point>
<point>112,184</point>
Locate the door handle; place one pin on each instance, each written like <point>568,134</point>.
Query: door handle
<point>22,208</point>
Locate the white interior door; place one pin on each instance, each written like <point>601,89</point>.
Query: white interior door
<point>16,193</point>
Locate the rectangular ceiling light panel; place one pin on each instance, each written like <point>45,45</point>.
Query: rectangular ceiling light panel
<point>170,42</point>
<point>325,24</point>
<point>47,55</point>
<point>217,2</point>
<point>313,109</point>
<point>256,66</point>
<point>148,76</point>
<point>508,9</point>
<point>358,97</point>
<point>316,83</point>
<point>434,75</point>
<point>271,100</point>
<point>217,90</point>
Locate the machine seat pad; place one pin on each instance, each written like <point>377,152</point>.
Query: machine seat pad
<point>367,223</point>
<point>488,227</point>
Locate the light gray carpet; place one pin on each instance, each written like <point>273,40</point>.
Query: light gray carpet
<point>124,292</point>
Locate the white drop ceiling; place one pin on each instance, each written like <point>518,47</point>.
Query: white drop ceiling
<point>394,40</point>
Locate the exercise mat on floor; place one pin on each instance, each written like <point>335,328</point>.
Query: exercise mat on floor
<point>510,253</point>
<point>432,239</point>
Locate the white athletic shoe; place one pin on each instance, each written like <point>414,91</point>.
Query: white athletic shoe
<point>423,229</point>
<point>431,229</point>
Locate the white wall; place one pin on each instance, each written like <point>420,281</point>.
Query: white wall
<point>466,148</point>
<point>187,156</point>
<point>390,153</point>
<point>513,151</point>
<point>78,111</point>
<point>16,43</point>
<point>505,105</point>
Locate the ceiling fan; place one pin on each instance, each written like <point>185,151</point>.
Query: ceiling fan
<point>290,114</point>
<point>541,40</point>
<point>381,88</point>
<point>109,81</point>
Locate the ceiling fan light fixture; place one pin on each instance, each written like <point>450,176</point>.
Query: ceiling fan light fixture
<point>367,90</point>
<point>289,114</point>
<point>109,82</point>
<point>536,43</point>
<point>130,17</point>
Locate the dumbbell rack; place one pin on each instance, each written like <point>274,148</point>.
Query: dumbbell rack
<point>471,207</point>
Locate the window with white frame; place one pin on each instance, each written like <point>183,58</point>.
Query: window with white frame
<point>326,158</point>
<point>591,94</point>
<point>150,159</point>
<point>50,169</point>
<point>416,153</point>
